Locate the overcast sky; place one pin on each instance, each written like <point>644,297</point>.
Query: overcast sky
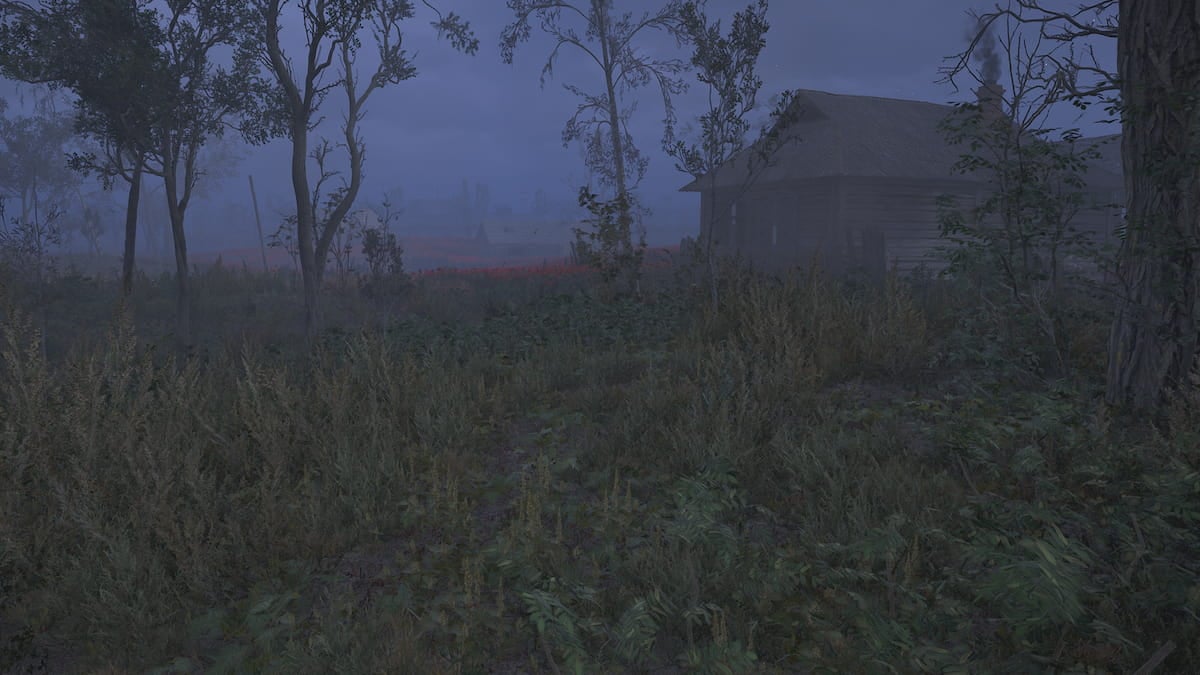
<point>476,118</point>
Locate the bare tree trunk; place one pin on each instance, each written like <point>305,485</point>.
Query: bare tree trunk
<point>305,218</point>
<point>183,314</point>
<point>710,252</point>
<point>183,305</point>
<point>1152,345</point>
<point>131,219</point>
<point>313,249</point>
<point>625,217</point>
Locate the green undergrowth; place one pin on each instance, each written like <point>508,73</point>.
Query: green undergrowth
<point>813,479</point>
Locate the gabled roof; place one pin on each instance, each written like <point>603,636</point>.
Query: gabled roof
<point>848,135</point>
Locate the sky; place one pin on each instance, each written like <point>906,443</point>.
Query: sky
<point>475,118</point>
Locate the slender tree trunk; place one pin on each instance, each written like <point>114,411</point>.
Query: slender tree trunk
<point>335,218</point>
<point>131,220</point>
<point>625,276</point>
<point>710,253</point>
<point>183,306</point>
<point>39,281</point>
<point>305,219</point>
<point>618,148</point>
<point>1152,345</point>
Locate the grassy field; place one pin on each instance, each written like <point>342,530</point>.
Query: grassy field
<point>499,473</point>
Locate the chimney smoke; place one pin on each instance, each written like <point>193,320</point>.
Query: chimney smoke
<point>990,97</point>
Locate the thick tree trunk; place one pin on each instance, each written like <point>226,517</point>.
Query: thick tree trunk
<point>131,220</point>
<point>1152,345</point>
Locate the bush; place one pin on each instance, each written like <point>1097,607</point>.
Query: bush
<point>385,262</point>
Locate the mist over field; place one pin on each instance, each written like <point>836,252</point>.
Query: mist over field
<point>472,141</point>
<point>599,336</point>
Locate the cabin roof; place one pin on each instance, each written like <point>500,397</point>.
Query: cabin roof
<point>867,136</point>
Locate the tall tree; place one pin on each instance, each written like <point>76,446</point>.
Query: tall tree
<point>601,120</point>
<point>202,101</point>
<point>333,33</point>
<point>1152,348</point>
<point>725,65</point>
<point>33,166</point>
<point>107,53</point>
<point>34,175</point>
<point>1156,88</point>
<point>1014,245</point>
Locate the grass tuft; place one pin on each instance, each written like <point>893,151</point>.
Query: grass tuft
<point>516,476</point>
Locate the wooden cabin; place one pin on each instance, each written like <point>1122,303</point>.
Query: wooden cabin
<point>855,184</point>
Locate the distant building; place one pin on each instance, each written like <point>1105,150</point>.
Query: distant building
<point>515,238</point>
<point>857,187</point>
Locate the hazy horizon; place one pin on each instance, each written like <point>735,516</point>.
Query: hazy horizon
<point>473,120</point>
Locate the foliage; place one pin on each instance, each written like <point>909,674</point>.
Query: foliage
<point>292,97</point>
<point>108,53</point>
<point>725,64</point>
<point>601,121</point>
<point>1152,350</point>
<point>608,39</point>
<point>33,168</point>
<point>811,476</point>
<point>27,244</point>
<point>1018,245</point>
<point>34,177</point>
<point>384,254</point>
<point>348,232</point>
<point>148,87</point>
<point>603,247</point>
<point>818,477</point>
<point>112,55</point>
<point>284,237</point>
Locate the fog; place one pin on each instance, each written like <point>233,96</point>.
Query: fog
<point>472,122</point>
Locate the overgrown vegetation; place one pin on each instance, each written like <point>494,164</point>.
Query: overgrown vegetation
<point>1019,247</point>
<point>602,246</point>
<point>611,40</point>
<point>818,478</point>
<point>481,472</point>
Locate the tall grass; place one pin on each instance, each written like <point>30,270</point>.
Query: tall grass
<point>796,482</point>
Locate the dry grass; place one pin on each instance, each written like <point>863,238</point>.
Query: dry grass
<point>508,479</point>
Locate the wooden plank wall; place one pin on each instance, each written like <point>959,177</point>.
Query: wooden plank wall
<point>855,223</point>
<point>803,214</point>
<point>781,227</point>
<point>905,212</point>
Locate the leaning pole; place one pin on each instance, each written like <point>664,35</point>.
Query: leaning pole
<point>262,245</point>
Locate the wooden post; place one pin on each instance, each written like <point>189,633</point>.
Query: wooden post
<point>262,246</point>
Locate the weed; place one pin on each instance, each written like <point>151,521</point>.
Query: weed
<point>812,478</point>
